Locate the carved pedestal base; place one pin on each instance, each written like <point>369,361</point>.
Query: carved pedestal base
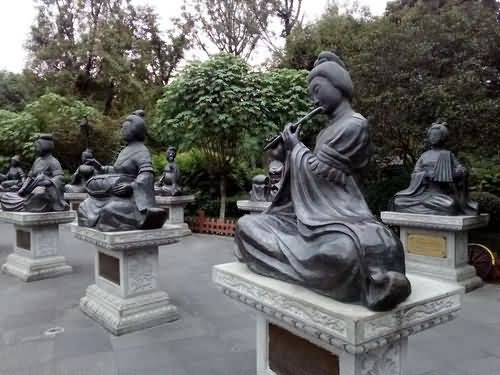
<point>74,200</point>
<point>126,296</point>
<point>252,207</point>
<point>36,245</point>
<point>436,246</point>
<point>301,332</point>
<point>175,207</point>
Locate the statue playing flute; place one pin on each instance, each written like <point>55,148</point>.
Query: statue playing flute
<point>319,231</point>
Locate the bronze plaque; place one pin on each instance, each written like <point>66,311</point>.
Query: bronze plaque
<point>427,245</point>
<point>109,268</point>
<point>292,355</point>
<point>23,239</point>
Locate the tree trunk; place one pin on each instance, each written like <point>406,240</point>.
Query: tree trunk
<point>222,189</point>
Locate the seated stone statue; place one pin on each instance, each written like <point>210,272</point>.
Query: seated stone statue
<point>319,231</point>
<point>14,178</point>
<point>42,191</point>
<point>169,181</point>
<point>83,173</point>
<point>276,170</point>
<point>121,197</point>
<point>260,187</point>
<point>439,182</point>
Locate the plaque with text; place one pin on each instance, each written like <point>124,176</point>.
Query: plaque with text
<point>23,239</point>
<point>292,355</point>
<point>427,245</point>
<point>109,268</point>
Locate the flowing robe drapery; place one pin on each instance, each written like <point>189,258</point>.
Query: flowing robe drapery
<point>319,231</point>
<point>42,191</point>
<point>108,212</point>
<point>434,188</point>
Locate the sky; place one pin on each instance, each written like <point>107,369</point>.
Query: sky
<point>16,17</point>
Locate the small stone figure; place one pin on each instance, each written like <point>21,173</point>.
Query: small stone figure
<point>43,189</point>
<point>260,187</point>
<point>438,183</point>
<point>83,173</point>
<point>13,180</point>
<point>319,231</point>
<point>275,178</point>
<point>168,184</point>
<point>121,198</point>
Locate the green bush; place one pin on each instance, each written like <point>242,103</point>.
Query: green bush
<point>490,204</point>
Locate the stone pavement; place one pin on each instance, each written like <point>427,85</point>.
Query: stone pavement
<point>214,336</point>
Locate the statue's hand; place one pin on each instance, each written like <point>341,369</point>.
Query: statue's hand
<point>290,137</point>
<point>122,189</point>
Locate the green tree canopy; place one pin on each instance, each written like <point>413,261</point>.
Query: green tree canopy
<point>220,105</point>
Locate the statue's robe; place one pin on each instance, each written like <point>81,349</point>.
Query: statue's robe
<point>435,189</point>
<point>319,231</point>
<point>80,178</point>
<point>107,212</point>
<point>42,191</point>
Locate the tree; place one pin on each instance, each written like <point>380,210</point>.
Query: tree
<point>106,51</point>
<point>412,69</point>
<point>217,106</point>
<point>231,26</point>
<point>60,116</point>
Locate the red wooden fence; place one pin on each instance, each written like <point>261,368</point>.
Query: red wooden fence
<point>203,224</point>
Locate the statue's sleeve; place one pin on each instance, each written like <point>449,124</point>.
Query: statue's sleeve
<point>346,152</point>
<point>144,183</point>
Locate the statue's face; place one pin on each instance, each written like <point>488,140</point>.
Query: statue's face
<point>127,131</point>
<point>325,94</point>
<point>435,137</point>
<point>171,154</point>
<point>14,162</point>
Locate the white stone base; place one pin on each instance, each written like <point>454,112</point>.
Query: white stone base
<point>452,265</point>
<point>29,269</point>
<point>365,342</point>
<point>175,207</point>
<point>252,207</point>
<point>36,245</point>
<point>126,296</point>
<point>120,315</point>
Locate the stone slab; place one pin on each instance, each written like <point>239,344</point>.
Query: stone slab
<point>174,201</point>
<point>449,223</point>
<point>353,328</point>
<point>29,269</point>
<point>75,196</point>
<point>30,219</point>
<point>130,240</point>
<point>120,316</point>
<point>251,206</point>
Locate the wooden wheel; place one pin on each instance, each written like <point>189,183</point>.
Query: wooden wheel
<point>482,259</point>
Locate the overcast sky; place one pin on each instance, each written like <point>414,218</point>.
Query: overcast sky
<point>16,16</point>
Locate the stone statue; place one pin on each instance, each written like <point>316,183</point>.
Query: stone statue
<point>168,184</point>
<point>83,173</point>
<point>319,231</point>
<point>43,189</point>
<point>438,183</point>
<point>260,187</point>
<point>276,169</point>
<point>121,197</point>
<point>15,176</point>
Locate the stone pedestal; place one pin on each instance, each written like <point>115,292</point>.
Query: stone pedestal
<point>302,332</point>
<point>252,207</point>
<point>436,246</point>
<point>36,244</point>
<point>175,207</point>
<point>74,200</point>
<point>126,295</point>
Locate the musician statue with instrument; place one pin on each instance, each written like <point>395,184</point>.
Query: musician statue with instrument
<point>319,231</point>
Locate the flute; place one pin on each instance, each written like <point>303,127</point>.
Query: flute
<point>278,138</point>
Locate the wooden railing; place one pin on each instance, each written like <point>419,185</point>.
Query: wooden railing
<point>203,224</point>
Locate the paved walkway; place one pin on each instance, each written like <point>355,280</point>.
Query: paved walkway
<point>215,336</point>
